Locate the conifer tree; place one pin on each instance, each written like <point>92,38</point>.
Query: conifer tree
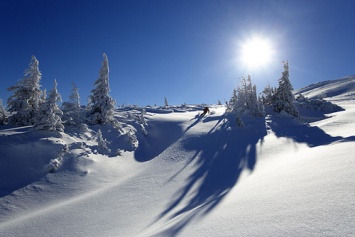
<point>283,98</point>
<point>101,103</point>
<point>43,96</point>
<point>242,94</point>
<point>101,143</point>
<point>74,100</point>
<point>245,99</point>
<point>166,104</point>
<point>267,95</point>
<point>260,107</point>
<point>49,115</point>
<point>252,98</point>
<point>26,97</point>
<point>232,104</point>
<point>72,108</point>
<point>249,93</point>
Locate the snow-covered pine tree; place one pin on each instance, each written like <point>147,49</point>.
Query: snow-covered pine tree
<point>249,93</point>
<point>166,104</point>
<point>260,107</point>
<point>2,113</point>
<point>232,104</point>
<point>252,103</point>
<point>245,99</point>
<point>49,115</point>
<point>74,99</point>
<point>241,95</point>
<point>101,143</point>
<point>267,95</point>
<point>283,98</point>
<point>43,97</point>
<point>102,105</point>
<point>26,97</point>
<point>72,109</point>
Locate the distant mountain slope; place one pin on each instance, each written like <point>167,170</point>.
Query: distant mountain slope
<point>339,89</point>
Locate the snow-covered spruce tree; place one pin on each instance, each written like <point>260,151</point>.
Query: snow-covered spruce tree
<point>241,96</point>
<point>166,104</point>
<point>49,115</point>
<point>72,109</point>
<point>283,99</point>
<point>2,114</point>
<point>232,104</point>
<point>101,143</point>
<point>43,97</point>
<point>260,107</point>
<point>252,103</point>
<point>26,97</point>
<point>267,95</point>
<point>102,105</point>
<point>246,99</point>
<point>251,96</point>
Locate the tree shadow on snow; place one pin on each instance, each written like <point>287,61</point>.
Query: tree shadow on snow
<point>197,119</point>
<point>299,132</point>
<point>220,156</point>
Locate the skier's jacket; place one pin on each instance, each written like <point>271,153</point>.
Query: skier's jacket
<point>205,111</point>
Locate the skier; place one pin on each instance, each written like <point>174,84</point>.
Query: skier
<point>205,111</point>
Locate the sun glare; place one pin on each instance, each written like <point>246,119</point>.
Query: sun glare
<point>256,53</point>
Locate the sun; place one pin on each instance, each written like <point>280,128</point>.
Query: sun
<point>256,53</point>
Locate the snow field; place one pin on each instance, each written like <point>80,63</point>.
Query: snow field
<point>190,176</point>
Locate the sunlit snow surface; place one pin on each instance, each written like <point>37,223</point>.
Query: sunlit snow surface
<point>190,176</point>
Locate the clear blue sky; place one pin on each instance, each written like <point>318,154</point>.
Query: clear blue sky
<point>185,50</point>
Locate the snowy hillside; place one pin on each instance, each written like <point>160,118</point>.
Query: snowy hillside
<point>340,89</point>
<point>190,176</point>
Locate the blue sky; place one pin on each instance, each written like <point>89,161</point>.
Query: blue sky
<point>185,50</point>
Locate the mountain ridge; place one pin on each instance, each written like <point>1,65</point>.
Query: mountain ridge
<point>342,88</point>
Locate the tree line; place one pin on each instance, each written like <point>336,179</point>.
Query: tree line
<point>245,101</point>
<point>29,105</point>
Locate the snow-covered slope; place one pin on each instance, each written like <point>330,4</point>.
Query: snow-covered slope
<point>190,176</point>
<point>340,89</point>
